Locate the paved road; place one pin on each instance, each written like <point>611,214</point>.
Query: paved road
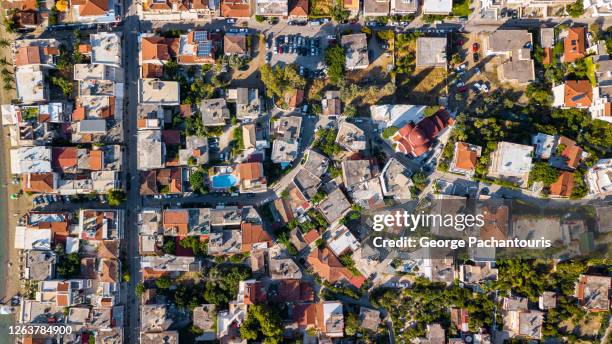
<point>134,202</point>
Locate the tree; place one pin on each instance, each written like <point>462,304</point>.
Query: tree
<point>338,13</point>
<point>540,94</point>
<point>199,248</point>
<point>280,80</point>
<point>260,18</point>
<point>349,111</point>
<point>69,265</point>
<point>351,324</point>
<point>389,131</point>
<point>543,172</point>
<point>169,246</point>
<point>163,282</point>
<point>116,197</point>
<point>576,9</point>
<point>222,283</point>
<point>420,180</point>
<point>197,180</point>
<point>65,85</point>
<point>336,61</point>
<point>263,320</point>
<point>140,289</point>
<point>5,43</point>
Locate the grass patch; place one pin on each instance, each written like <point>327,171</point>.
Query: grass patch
<point>461,8</point>
<point>591,66</point>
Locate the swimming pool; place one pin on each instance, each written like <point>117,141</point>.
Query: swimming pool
<point>224,181</point>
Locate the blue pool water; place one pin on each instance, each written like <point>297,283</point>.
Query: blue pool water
<point>224,181</point>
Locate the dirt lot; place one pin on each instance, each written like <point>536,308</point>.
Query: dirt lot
<point>424,86</point>
<point>586,328</point>
<point>321,7</point>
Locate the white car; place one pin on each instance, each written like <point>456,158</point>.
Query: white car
<point>460,84</point>
<point>484,88</point>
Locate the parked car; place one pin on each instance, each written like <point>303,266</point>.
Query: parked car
<point>475,47</point>
<point>460,84</point>
<point>230,21</point>
<point>476,57</point>
<point>485,88</point>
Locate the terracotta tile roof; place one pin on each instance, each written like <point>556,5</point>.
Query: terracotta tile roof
<point>416,140</point>
<point>325,263</point>
<point>294,290</point>
<point>235,8</point>
<point>148,183</point>
<point>305,315</point>
<point>547,57</point>
<point>96,160</point>
<point>38,182</point>
<point>173,177</point>
<point>234,44</point>
<point>108,249</point>
<point>578,93</point>
<point>109,271</point>
<point>62,300</point>
<point>85,48</point>
<point>294,98</point>
<point>176,220</point>
<point>574,45</point>
<point>152,71</point>
<point>253,233</point>
<point>563,186</point>
<point>572,152</point>
<point>311,236</point>
<point>158,48</point>
<point>92,7</point>
<point>496,223</point>
<point>250,170</point>
<point>28,55</point>
<point>78,114</point>
<point>466,158</point>
<point>298,8</point>
<point>64,158</point>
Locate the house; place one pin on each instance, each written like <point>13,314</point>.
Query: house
<point>331,318</point>
<point>524,323</point>
<point>567,154</point>
<point>157,50</point>
<point>465,158</point>
<point>31,160</point>
<point>353,6</point>
<point>225,242</point>
<point>573,94</point>
<point>331,104</point>
<point>368,194</point>
<point>94,11</point>
<point>460,319</point>
<point>298,9</point>
<point>356,50</point>
<point>437,7</point>
<point>196,48</point>
<point>599,178</point>
<point>253,139</point>
<point>355,172</point>
<point>154,318</point>
<point>474,275</point>
<point>39,265</point>
<point>196,150</point>
<point>168,264</point>
<point>307,183</point>
<point>431,52</point>
<point>235,43</point>
<point>395,180</point>
<point>511,162</point>
<point>284,151</point>
<point>36,52</point>
<point>403,7</point>
<point>294,98</point>
<point>248,103</point>
<point>544,145</point>
<point>548,300</point>
<point>164,180</point>
<point>315,163</point>
<point>563,186</point>
<point>415,140</point>
<point>100,224</point>
<point>351,137</point>
<point>369,319</point>
<point>274,8</point>
<point>166,337</point>
<point>334,206</point>
<point>288,127</point>
<point>151,150</point>
<point>398,115</point>
<point>341,241</point>
<point>236,8</point>
<point>154,91</point>
<point>204,320</point>
<point>214,112</point>
<point>574,44</point>
<point>254,237</point>
<point>593,292</point>
<point>328,266</point>
<point>251,177</point>
<point>31,85</point>
<point>106,48</point>
<point>186,222</point>
<point>376,8</point>
<point>513,47</point>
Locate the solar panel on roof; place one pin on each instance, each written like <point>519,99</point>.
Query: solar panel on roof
<point>200,36</point>
<point>204,48</point>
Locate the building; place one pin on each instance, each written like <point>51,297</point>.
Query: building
<point>355,172</point>
<point>396,114</point>
<point>404,7</point>
<point>511,162</point>
<point>465,158</point>
<point>599,178</point>
<point>106,48</point>
<point>235,43</point>
<point>331,104</point>
<point>214,112</point>
<point>544,145</point>
<point>513,47</point>
<point>437,7</point>
<point>334,206</point>
<point>251,177</point>
<point>376,8</point>
<point>204,319</point>
<point>356,50</point>
<point>431,52</point>
<point>236,8</point>
<point>275,8</point>
<point>563,186</point>
<point>158,92</point>
<point>151,150</point>
<point>395,180</point>
<point>288,127</point>
<point>574,44</point>
<point>94,11</point>
<point>248,103</point>
<point>298,9</point>
<point>328,266</point>
<point>593,292</point>
<point>284,151</point>
<point>196,48</point>
<point>315,163</point>
<point>351,137</point>
<point>341,241</point>
<point>573,94</point>
<point>415,140</point>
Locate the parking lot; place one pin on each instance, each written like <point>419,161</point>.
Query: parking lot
<point>301,45</point>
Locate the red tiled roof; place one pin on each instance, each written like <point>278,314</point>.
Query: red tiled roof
<point>578,93</point>
<point>253,233</point>
<point>177,219</point>
<point>64,158</point>
<point>465,157</point>
<point>574,46</point>
<point>235,8</point>
<point>325,263</point>
<point>416,140</point>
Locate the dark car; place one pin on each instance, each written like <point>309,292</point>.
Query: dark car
<point>476,57</point>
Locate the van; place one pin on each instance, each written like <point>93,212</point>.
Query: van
<point>305,108</point>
